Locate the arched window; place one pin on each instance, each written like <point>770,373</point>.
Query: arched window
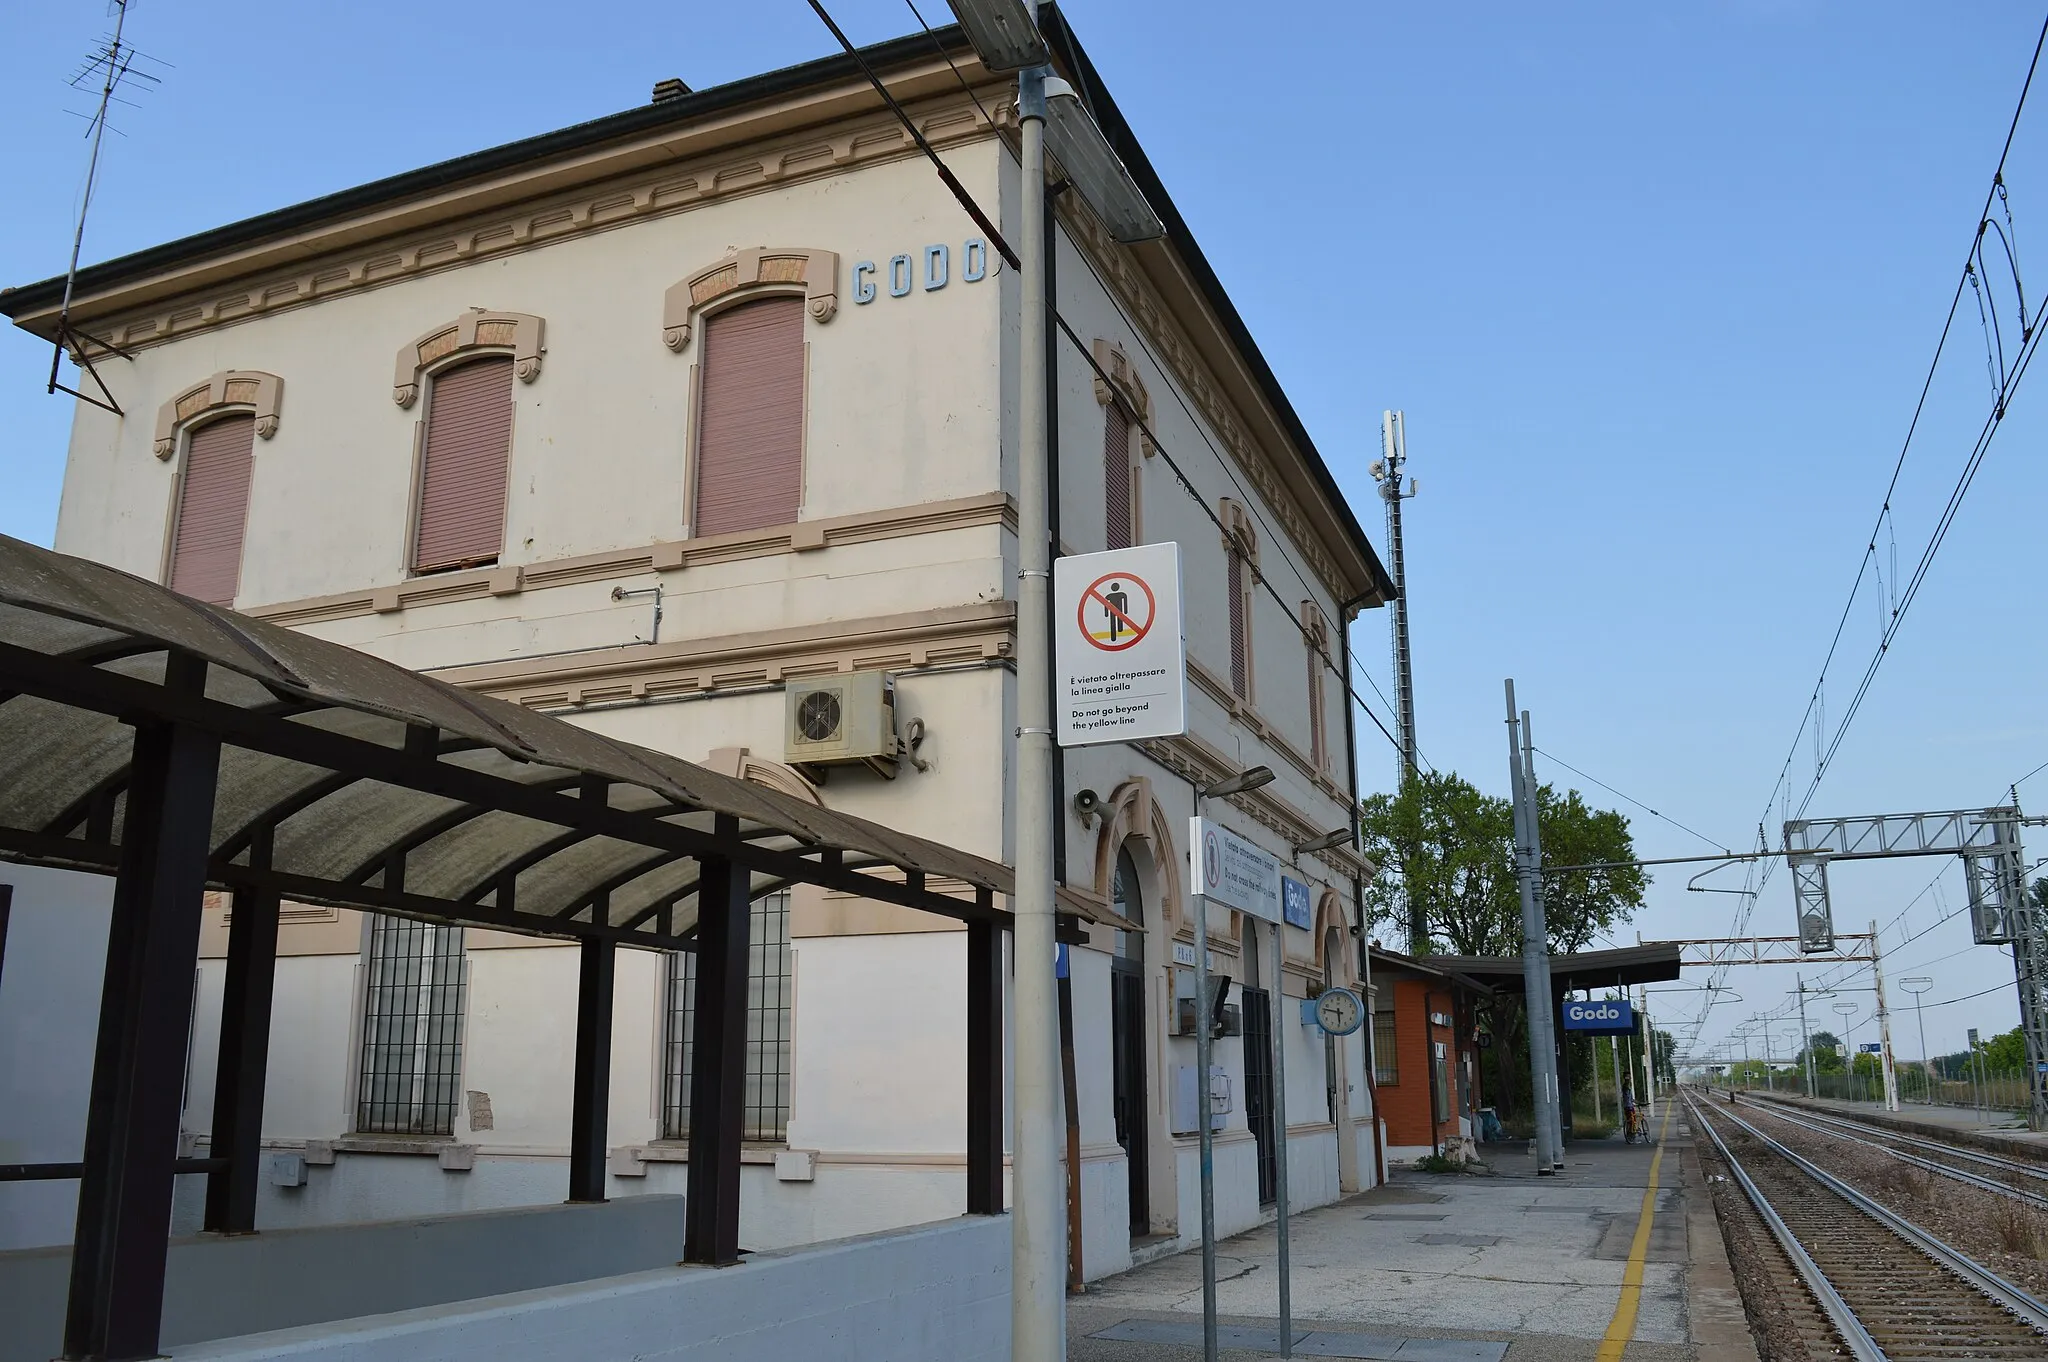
<point>1241,544</point>
<point>1127,1039</point>
<point>465,455</point>
<point>213,507</point>
<point>1124,403</point>
<point>750,423</point>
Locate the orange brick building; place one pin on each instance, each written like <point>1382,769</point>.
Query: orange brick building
<point>1425,1053</point>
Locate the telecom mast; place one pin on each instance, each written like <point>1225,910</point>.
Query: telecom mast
<point>1386,471</point>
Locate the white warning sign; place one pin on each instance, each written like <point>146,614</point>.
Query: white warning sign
<point>1119,663</point>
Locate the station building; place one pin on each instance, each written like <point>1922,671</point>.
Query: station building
<point>695,425</point>
<point>1426,1053</point>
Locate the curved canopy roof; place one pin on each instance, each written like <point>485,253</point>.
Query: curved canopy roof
<point>347,780</point>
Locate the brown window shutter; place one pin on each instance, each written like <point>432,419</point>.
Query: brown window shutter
<point>751,421</point>
<point>462,478</point>
<point>1317,744</point>
<point>1240,673</point>
<point>213,504</point>
<point>1116,474</point>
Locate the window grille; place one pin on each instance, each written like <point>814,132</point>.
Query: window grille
<point>412,1029</point>
<point>768,1026</point>
<point>1386,1066</point>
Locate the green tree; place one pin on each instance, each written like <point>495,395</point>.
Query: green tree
<point>1442,841</point>
<point>1827,1056</point>
<point>2007,1054</point>
<point>1662,1048</point>
<point>1451,847</point>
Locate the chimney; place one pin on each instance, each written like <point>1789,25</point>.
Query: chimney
<point>669,89</point>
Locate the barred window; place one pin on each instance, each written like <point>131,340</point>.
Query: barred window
<point>768,1000</point>
<point>1386,1067</point>
<point>412,1029</point>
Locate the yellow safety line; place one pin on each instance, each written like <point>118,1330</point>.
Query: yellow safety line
<point>1623,1326</point>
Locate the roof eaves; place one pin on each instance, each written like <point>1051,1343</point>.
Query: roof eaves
<point>281,222</point>
<point>1068,53</point>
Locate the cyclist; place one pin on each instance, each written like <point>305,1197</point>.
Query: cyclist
<point>1631,1121</point>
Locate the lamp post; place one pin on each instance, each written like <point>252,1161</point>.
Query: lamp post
<point>1006,38</point>
<point>1918,986</point>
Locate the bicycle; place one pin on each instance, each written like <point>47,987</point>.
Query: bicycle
<point>1634,1128</point>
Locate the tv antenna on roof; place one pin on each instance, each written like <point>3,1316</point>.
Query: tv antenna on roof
<point>111,66</point>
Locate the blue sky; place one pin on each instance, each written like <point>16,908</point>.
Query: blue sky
<point>1655,285</point>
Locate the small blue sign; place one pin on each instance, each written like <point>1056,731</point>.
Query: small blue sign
<point>1059,961</point>
<point>1294,903</point>
<point>1870,1047</point>
<point>1603,1018</point>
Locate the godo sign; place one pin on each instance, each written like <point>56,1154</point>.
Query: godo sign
<point>1120,671</point>
<point>1600,1018</point>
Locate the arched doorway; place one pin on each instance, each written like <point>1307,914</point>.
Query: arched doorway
<point>1260,1108</point>
<point>1127,1037</point>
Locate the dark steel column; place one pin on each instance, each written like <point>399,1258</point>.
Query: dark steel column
<point>115,1309</point>
<point>984,1069</point>
<point>243,1064</point>
<point>718,1065</point>
<point>593,1084</point>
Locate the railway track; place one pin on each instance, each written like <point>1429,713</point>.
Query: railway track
<point>2008,1177</point>
<point>1887,1289</point>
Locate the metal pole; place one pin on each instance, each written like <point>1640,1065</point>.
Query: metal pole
<point>1918,987</point>
<point>1806,1037</point>
<point>1037,1231</point>
<point>1206,1141</point>
<point>1281,1021</point>
<point>1647,1097</point>
<point>1530,792</point>
<point>1533,990</point>
<point>1884,1026</point>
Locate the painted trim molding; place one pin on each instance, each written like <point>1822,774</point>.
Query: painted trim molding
<point>229,390</point>
<point>753,272</point>
<point>476,331</point>
<point>671,555</point>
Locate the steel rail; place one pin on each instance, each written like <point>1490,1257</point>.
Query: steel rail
<point>1858,1340</point>
<point>1850,1129</point>
<point>2016,1302</point>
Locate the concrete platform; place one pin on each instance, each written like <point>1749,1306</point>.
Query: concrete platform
<point>2005,1126</point>
<point>1456,1268</point>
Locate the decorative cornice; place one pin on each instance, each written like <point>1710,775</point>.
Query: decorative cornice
<point>722,174</point>
<point>228,390</point>
<point>757,270</point>
<point>673,555</point>
<point>1198,763</point>
<point>1141,303</point>
<point>928,638</point>
<point>476,331</point>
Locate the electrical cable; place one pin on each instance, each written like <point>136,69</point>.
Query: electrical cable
<point>1718,846</point>
<point>981,220</point>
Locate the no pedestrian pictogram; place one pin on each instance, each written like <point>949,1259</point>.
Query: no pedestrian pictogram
<point>1116,611</point>
<point>1119,656</point>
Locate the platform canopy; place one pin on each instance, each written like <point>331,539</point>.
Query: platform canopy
<point>1648,963</point>
<point>347,780</point>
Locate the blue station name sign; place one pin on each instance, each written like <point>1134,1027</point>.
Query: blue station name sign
<point>1603,1018</point>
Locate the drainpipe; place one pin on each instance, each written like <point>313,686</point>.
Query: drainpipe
<point>1436,1145</point>
<point>1345,614</point>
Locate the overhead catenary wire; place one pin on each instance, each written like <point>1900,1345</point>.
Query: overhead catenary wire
<point>2004,386</point>
<point>981,220</point>
<point>1633,800</point>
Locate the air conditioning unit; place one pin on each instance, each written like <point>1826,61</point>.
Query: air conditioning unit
<point>843,719</point>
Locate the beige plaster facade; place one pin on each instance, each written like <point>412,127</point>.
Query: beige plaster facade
<point>593,268</point>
